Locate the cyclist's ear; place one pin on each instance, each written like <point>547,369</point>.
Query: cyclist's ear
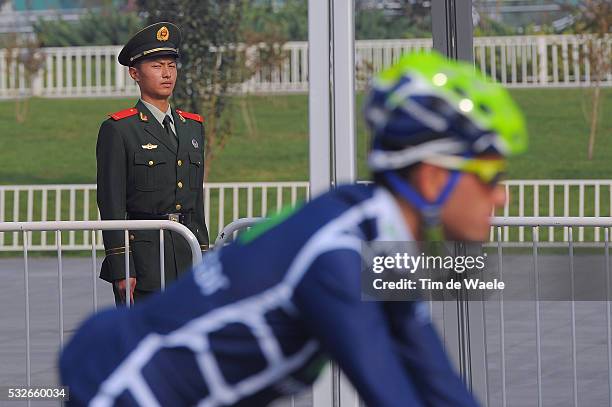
<point>429,180</point>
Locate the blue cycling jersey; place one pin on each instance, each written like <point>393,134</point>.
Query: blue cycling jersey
<point>259,318</point>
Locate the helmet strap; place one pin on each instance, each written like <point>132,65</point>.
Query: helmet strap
<point>429,211</point>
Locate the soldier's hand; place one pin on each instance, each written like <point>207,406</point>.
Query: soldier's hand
<point>121,284</point>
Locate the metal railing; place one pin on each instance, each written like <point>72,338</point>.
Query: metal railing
<point>514,349</point>
<point>551,198</point>
<point>223,203</point>
<point>544,341</point>
<point>25,229</point>
<point>226,202</point>
<point>515,61</point>
<point>228,233</point>
<point>513,352</point>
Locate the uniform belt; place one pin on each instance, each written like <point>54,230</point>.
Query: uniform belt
<point>184,218</point>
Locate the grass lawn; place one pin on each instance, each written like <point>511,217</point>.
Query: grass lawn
<point>57,142</point>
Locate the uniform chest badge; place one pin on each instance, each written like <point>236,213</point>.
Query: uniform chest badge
<point>194,143</point>
<point>149,146</point>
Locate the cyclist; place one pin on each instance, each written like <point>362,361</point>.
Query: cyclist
<point>259,318</point>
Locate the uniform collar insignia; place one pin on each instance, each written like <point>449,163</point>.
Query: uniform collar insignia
<point>149,146</point>
<point>143,117</point>
<point>182,118</point>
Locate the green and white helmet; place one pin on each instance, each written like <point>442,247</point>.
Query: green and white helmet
<point>426,106</point>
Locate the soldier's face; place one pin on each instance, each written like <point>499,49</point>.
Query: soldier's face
<point>156,77</point>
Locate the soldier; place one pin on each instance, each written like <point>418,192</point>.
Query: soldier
<point>150,166</point>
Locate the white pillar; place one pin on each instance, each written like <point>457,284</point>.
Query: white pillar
<point>542,59</point>
<point>319,114</point>
<point>37,83</point>
<point>119,75</point>
<point>319,119</point>
<point>344,145</point>
<point>322,391</point>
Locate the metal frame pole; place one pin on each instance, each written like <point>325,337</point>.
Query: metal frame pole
<point>452,31</point>
<point>452,28</point>
<point>344,136</point>
<point>319,125</point>
<point>319,113</point>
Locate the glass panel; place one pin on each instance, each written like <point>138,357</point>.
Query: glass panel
<point>555,60</point>
<point>383,31</point>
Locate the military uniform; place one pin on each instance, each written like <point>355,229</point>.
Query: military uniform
<point>147,172</point>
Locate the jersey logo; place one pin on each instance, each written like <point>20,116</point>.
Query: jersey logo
<point>209,274</point>
<point>265,225</point>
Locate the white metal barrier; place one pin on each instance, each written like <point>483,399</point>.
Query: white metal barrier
<point>223,203</point>
<point>513,352</point>
<point>227,234</point>
<point>25,229</point>
<point>516,61</point>
<point>550,198</point>
<point>226,202</point>
<point>545,350</point>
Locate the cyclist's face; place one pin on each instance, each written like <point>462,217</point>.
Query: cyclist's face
<point>466,215</point>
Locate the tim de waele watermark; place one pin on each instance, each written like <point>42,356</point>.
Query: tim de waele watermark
<point>407,263</point>
<point>400,271</point>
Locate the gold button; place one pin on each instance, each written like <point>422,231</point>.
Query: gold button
<point>151,162</point>
<point>179,162</point>
<point>131,237</point>
<point>178,207</point>
<point>180,184</point>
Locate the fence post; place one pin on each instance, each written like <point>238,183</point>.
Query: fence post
<point>543,60</point>
<point>322,391</point>
<point>37,83</point>
<point>119,76</point>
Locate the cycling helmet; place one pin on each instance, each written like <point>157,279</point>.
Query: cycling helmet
<point>427,108</point>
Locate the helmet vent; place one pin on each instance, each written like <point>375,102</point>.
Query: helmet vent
<point>460,91</point>
<point>484,108</point>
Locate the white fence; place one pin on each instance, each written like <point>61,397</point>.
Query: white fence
<point>516,61</point>
<point>226,202</point>
<point>223,203</point>
<point>550,198</point>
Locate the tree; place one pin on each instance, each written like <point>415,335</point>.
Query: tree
<point>208,63</point>
<point>398,19</point>
<point>288,20</point>
<point>106,27</point>
<point>593,18</point>
<point>266,27</point>
<point>24,52</point>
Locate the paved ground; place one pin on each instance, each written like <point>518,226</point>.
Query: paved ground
<point>519,331</point>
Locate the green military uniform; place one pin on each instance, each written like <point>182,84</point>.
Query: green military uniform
<point>146,171</point>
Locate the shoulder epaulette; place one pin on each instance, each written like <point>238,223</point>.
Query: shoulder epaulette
<point>192,116</point>
<point>122,114</point>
